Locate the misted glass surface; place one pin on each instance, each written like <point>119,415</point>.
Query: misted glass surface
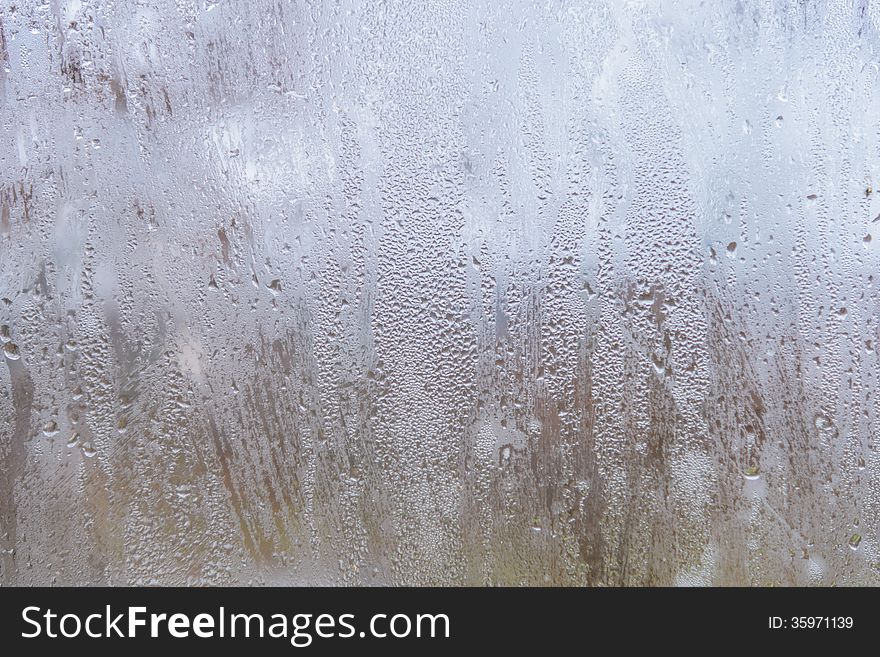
<point>542,293</point>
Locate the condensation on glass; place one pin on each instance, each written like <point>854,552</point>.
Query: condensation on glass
<point>568,293</point>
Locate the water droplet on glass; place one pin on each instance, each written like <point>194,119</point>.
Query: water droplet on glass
<point>10,350</point>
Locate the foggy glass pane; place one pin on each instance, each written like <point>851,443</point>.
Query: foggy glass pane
<point>566,293</point>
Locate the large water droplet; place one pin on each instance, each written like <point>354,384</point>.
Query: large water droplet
<point>10,350</point>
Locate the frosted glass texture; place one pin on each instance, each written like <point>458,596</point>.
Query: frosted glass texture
<point>565,293</point>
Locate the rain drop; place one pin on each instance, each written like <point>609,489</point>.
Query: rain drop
<point>10,350</point>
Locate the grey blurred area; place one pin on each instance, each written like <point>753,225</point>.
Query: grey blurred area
<point>442,293</point>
